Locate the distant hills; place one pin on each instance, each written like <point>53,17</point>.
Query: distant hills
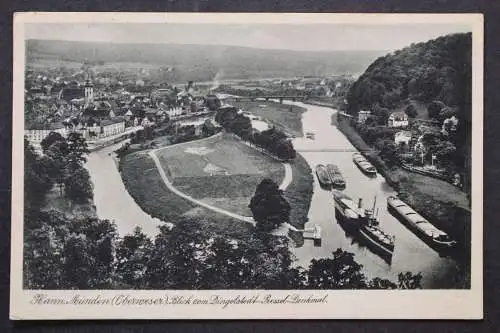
<point>203,62</point>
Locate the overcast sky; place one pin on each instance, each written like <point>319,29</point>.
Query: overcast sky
<point>312,37</point>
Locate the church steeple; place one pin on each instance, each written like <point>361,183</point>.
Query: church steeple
<point>89,89</point>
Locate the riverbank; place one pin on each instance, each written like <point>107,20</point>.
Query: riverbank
<point>441,203</point>
<point>299,194</point>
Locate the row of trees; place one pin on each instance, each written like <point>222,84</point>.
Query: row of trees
<point>88,254</point>
<point>272,140</point>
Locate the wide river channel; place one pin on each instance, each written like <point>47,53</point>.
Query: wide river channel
<point>410,254</point>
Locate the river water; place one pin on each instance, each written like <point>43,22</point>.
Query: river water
<point>410,253</point>
<point>112,200</point>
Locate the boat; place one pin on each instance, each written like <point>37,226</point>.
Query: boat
<point>363,164</point>
<point>323,177</point>
<point>419,225</point>
<point>363,225</point>
<point>310,135</point>
<point>335,176</point>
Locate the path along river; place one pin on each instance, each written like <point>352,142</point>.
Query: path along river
<point>410,253</point>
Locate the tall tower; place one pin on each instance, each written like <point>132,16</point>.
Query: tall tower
<point>89,92</point>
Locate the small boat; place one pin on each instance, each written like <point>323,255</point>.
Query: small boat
<point>336,176</point>
<point>363,164</point>
<point>323,177</point>
<point>363,225</point>
<point>419,225</point>
<point>310,135</point>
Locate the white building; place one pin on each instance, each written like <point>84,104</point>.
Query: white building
<point>402,136</point>
<point>398,119</point>
<point>37,133</point>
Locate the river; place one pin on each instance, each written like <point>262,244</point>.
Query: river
<point>112,200</point>
<point>410,253</point>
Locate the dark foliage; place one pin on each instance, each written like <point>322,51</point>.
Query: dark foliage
<point>268,206</point>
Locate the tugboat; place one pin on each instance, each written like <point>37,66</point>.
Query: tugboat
<point>437,239</point>
<point>363,164</point>
<point>363,225</point>
<point>336,176</point>
<point>323,177</point>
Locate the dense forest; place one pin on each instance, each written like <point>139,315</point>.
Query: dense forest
<point>439,69</point>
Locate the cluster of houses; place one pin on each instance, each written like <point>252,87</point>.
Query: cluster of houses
<point>98,114</point>
<point>412,138</point>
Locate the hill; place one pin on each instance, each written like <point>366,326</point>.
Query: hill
<point>203,62</point>
<point>439,69</point>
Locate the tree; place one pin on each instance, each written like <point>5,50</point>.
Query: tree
<point>78,186</point>
<point>241,126</point>
<point>268,206</point>
<point>434,108</point>
<point>36,178</point>
<point>339,272</point>
<point>133,253</point>
<point>51,139</point>
<point>77,149</point>
<point>208,128</point>
<point>411,111</point>
<point>389,152</point>
<point>89,254</point>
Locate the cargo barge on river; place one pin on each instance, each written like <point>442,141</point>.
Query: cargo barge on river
<point>363,164</point>
<point>437,239</point>
<point>323,177</point>
<point>335,176</point>
<point>363,225</point>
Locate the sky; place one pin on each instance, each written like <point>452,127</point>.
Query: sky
<point>301,37</point>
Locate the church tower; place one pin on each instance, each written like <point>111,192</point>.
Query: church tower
<point>89,92</point>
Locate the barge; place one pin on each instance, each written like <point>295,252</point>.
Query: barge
<point>363,164</point>
<point>426,231</point>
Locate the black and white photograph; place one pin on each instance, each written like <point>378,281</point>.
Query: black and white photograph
<point>248,165</point>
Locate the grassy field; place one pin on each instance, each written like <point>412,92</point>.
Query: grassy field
<point>144,183</point>
<point>283,116</point>
<point>241,168</point>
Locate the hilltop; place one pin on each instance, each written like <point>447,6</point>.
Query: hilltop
<point>204,62</point>
<point>439,69</point>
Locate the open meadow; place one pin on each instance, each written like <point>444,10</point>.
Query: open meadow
<point>285,117</point>
<point>220,171</point>
<point>143,181</point>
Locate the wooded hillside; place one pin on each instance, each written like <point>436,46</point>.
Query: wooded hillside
<point>439,69</point>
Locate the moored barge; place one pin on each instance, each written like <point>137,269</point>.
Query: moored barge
<point>426,231</point>
<point>335,176</point>
<point>323,177</point>
<point>363,164</point>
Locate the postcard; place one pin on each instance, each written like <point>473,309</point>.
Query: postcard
<point>247,166</point>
